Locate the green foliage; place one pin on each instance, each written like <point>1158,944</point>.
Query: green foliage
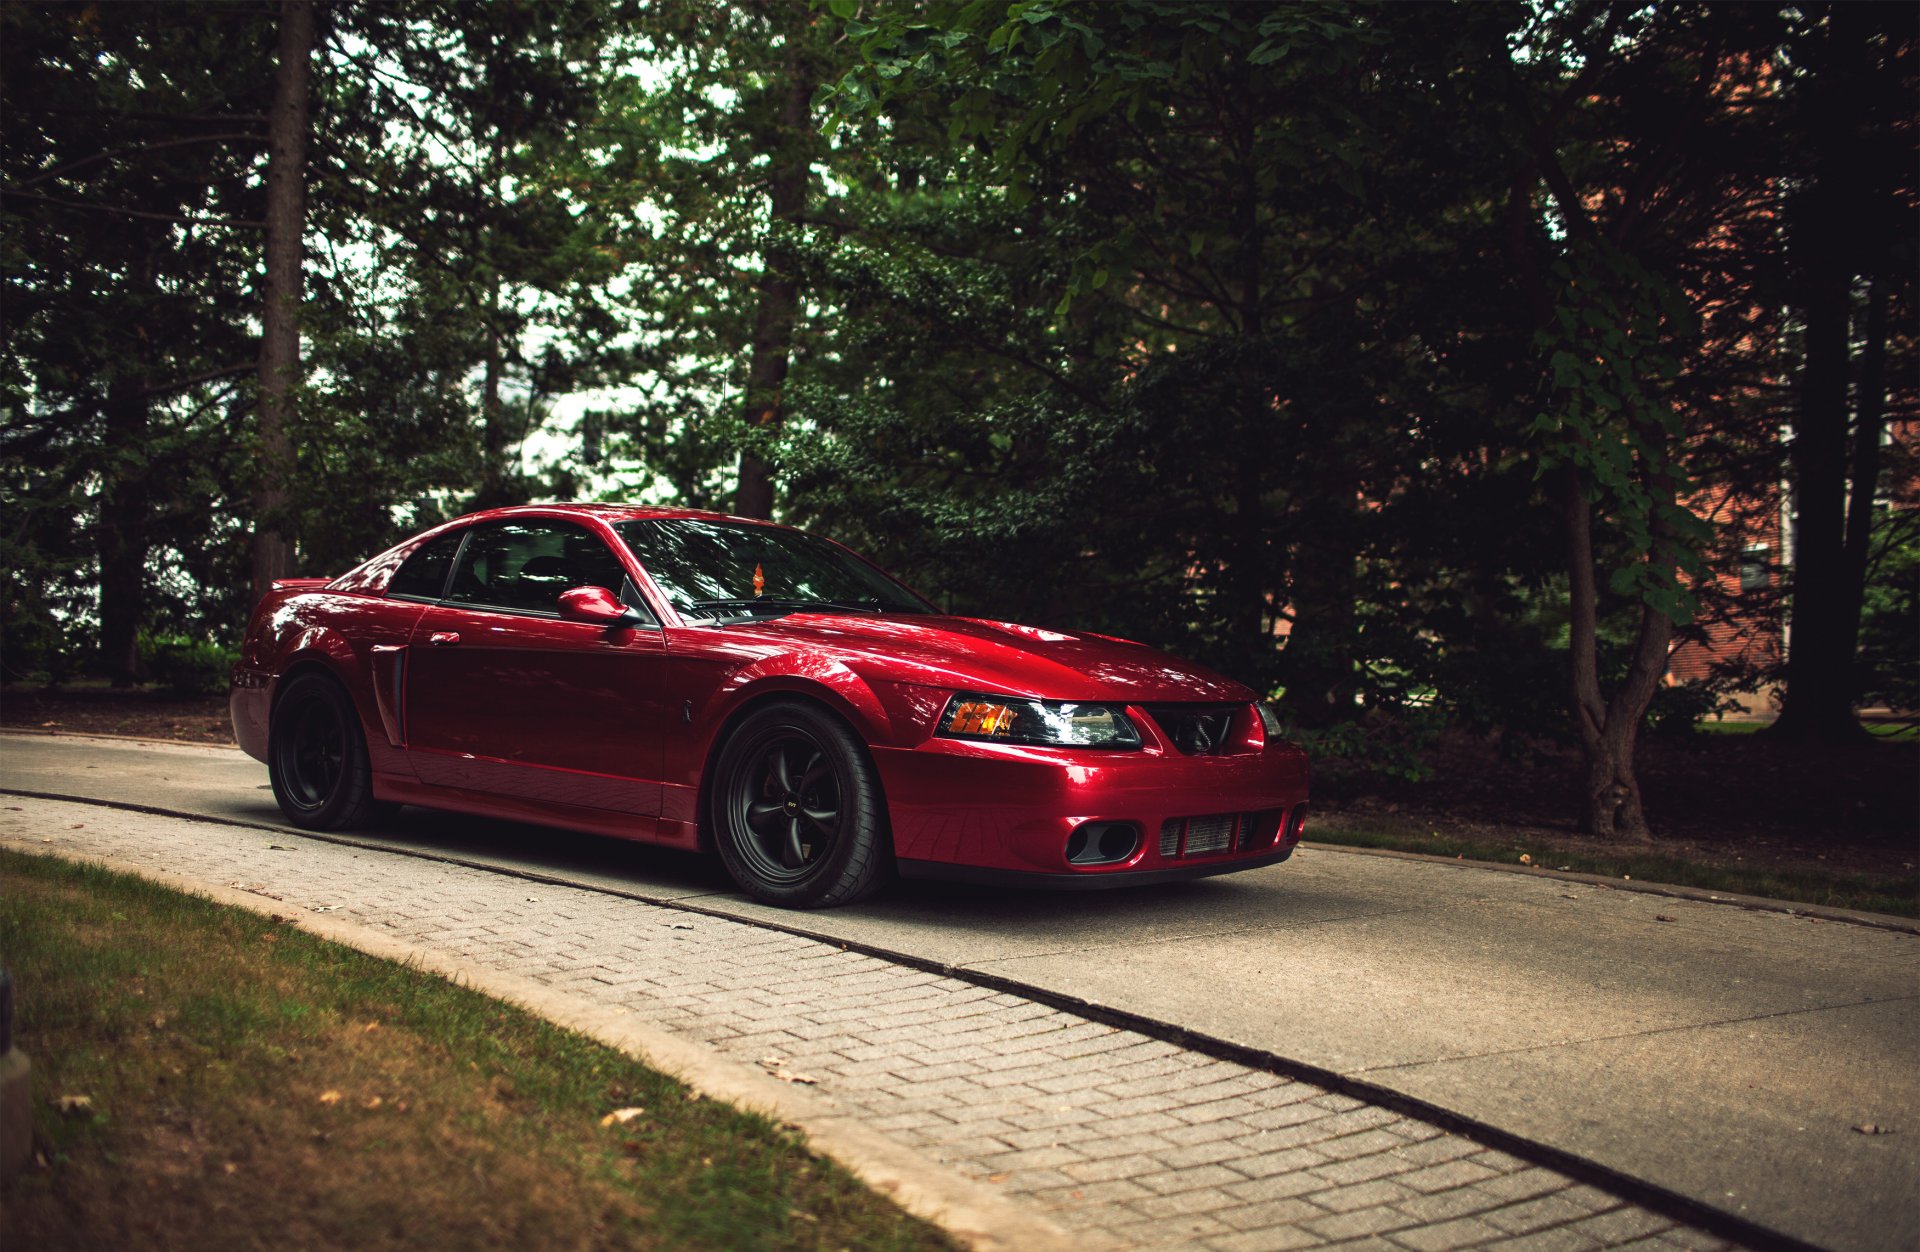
<point>1362,755</point>
<point>1890,622</point>
<point>1612,353</point>
<point>188,666</point>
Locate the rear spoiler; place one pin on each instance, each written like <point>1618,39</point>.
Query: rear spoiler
<point>299,584</point>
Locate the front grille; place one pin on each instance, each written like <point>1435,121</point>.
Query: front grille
<point>1197,729</point>
<point>1219,832</point>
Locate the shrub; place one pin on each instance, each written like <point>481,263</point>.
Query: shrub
<point>188,667</point>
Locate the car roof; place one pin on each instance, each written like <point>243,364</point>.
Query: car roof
<point>607,512</point>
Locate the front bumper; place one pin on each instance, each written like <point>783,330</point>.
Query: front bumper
<point>1007,812</point>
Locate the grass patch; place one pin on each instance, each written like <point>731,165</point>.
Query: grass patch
<point>254,1086</point>
<point>1875,893</point>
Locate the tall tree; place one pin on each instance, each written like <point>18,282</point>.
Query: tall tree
<point>789,151</point>
<point>287,127</point>
<point>1848,86</point>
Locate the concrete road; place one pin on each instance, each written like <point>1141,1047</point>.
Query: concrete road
<point>1719,1053</point>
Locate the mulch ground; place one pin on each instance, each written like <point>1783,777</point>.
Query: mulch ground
<point>1723,799</point>
<point>1714,798</point>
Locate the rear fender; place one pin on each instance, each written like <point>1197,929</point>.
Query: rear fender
<point>319,648</point>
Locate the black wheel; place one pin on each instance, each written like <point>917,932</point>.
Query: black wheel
<point>317,756</point>
<point>797,810</point>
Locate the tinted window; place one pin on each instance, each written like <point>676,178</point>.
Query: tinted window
<point>695,561</point>
<point>424,576</point>
<point>526,565</point>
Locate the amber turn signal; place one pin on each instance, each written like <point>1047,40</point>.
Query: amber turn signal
<point>981,717</point>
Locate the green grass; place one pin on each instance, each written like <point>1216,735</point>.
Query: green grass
<point>1875,893</point>
<point>256,1086</point>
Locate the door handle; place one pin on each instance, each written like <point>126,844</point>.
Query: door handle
<point>444,638</point>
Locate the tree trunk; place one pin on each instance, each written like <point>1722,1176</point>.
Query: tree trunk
<point>779,305</point>
<point>280,312</point>
<point>123,537</point>
<point>1818,706</point>
<point>1611,805</point>
<point>1870,406</point>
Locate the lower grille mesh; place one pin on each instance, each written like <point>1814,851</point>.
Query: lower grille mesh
<point>1209,834</point>
<point>1203,835</point>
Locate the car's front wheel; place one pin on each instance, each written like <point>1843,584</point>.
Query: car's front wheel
<point>798,813</point>
<point>317,756</point>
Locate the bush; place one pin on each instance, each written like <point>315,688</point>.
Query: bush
<point>188,667</point>
<point>1354,757</point>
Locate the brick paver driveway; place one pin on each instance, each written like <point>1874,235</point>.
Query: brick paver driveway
<point>1112,1134</point>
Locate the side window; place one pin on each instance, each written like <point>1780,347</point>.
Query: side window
<point>424,574</point>
<point>526,565</point>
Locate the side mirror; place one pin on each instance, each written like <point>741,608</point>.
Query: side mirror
<point>596,604</point>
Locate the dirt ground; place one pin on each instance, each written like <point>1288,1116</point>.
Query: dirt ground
<point>1717,799</point>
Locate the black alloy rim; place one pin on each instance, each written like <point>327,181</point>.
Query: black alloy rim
<point>786,801</point>
<point>316,753</point>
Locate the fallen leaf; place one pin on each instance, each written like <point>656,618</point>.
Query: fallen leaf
<point>230,1167</point>
<point>777,1066</point>
<point>278,847</point>
<point>74,1105</point>
<point>369,1028</point>
<point>1568,895</point>
<point>78,826</point>
<point>1662,917</point>
<point>326,908</point>
<point>1872,1128</point>
<point>1526,858</point>
<point>374,1103</point>
<point>679,925</point>
<point>620,1117</point>
<point>329,1097</point>
<point>159,1021</point>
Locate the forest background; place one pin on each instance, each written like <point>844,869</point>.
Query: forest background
<point>1422,335</point>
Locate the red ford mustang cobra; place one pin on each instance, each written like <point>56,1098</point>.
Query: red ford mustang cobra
<point>703,681</point>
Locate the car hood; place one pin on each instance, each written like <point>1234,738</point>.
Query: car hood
<point>998,657</point>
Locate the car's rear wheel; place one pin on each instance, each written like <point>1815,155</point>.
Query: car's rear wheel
<point>317,756</point>
<point>798,813</point>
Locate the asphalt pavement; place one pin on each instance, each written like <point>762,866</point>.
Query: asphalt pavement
<point>1714,1052</point>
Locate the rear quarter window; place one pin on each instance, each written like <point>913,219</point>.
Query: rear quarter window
<point>423,576</point>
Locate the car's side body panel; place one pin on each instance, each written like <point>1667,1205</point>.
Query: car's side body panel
<point>538,708</point>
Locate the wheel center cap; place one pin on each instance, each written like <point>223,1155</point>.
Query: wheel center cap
<point>793,805</point>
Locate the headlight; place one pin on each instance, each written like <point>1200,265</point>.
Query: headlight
<point>1000,719</point>
<point>1270,721</point>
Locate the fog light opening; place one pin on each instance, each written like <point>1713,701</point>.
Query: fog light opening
<point>1102,843</point>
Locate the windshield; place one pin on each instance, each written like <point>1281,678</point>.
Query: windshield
<point>735,569</point>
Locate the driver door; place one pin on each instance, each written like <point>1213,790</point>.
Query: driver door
<point>505,696</point>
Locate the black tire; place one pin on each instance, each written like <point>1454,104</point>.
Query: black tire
<point>797,810</point>
<point>317,756</point>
